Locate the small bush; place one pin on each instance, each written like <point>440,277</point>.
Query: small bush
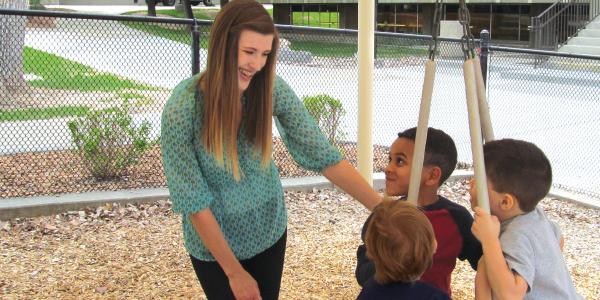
<point>108,141</point>
<point>327,112</point>
<point>36,5</point>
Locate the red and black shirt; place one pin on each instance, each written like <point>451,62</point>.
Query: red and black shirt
<point>452,228</point>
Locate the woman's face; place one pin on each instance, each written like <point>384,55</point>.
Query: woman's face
<point>254,48</point>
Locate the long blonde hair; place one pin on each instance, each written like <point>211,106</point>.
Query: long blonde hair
<point>219,84</point>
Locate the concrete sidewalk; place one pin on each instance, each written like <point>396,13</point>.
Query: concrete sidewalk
<point>48,205</point>
<point>118,9</point>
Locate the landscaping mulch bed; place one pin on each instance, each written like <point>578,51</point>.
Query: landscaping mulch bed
<point>136,252</point>
<point>59,172</point>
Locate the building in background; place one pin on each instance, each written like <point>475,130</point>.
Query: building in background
<point>507,20</point>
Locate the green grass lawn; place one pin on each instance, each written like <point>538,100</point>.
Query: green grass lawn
<point>203,14</point>
<point>41,113</point>
<point>173,32</point>
<point>316,19</point>
<point>330,49</point>
<point>60,73</point>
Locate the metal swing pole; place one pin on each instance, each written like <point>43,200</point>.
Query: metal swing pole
<point>422,125</point>
<point>473,101</point>
<point>484,111</point>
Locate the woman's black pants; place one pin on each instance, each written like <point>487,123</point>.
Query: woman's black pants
<point>266,268</point>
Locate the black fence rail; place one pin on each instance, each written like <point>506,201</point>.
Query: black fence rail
<point>77,72</point>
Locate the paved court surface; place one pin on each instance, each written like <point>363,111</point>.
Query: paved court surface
<point>528,103</point>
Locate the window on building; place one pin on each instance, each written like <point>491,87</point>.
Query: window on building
<point>402,18</point>
<point>316,15</point>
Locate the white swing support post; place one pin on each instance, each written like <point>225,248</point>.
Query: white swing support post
<point>484,112</point>
<point>476,106</point>
<point>476,139</point>
<point>479,115</point>
<point>421,138</point>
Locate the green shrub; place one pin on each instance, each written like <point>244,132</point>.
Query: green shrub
<point>108,141</point>
<point>327,112</point>
<point>36,5</point>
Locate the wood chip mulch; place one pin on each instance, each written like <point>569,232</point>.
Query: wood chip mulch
<point>58,172</point>
<point>136,252</point>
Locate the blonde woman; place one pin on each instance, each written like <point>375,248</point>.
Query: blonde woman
<point>216,140</point>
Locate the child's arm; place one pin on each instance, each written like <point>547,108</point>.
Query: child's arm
<point>559,236</point>
<point>471,247</point>
<point>483,291</point>
<point>504,282</point>
<point>562,243</point>
<point>365,269</point>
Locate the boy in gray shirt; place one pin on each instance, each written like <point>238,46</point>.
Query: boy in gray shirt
<point>522,256</point>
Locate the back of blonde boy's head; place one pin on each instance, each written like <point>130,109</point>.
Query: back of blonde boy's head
<point>400,242</point>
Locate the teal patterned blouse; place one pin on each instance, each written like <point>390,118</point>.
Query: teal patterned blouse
<point>251,212</point>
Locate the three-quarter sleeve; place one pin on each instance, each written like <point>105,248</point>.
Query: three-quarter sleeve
<point>188,188</point>
<point>304,140</point>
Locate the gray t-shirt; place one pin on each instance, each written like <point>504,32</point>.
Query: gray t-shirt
<point>531,246</point>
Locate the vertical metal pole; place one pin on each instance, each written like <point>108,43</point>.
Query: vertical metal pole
<point>483,56</point>
<point>480,70</point>
<point>366,43</point>
<point>519,24</point>
<point>375,17</point>
<point>195,48</point>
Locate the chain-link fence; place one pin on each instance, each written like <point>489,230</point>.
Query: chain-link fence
<point>75,66</point>
<point>552,100</point>
<point>81,110</point>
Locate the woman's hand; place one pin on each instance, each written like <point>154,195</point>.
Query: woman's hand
<point>243,286</point>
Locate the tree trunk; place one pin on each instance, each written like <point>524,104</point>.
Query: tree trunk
<point>151,7</point>
<point>187,9</point>
<point>12,41</point>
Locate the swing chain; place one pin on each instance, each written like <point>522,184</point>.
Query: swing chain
<point>467,41</point>
<point>435,29</point>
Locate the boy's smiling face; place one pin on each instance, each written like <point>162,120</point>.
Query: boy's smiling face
<point>397,172</point>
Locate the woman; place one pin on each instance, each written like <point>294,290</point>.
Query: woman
<point>216,144</point>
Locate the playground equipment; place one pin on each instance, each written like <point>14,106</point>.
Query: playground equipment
<point>480,126</point>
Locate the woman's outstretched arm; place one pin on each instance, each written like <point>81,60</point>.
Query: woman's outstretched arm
<point>344,175</point>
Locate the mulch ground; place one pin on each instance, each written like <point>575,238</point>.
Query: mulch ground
<point>136,251</point>
<point>59,172</point>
